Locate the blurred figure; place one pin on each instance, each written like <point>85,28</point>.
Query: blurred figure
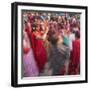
<point>74,66</point>
<point>30,68</point>
<point>38,46</point>
<point>71,39</point>
<point>59,54</point>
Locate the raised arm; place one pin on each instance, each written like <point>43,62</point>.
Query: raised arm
<point>43,37</point>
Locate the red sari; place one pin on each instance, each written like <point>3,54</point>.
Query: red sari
<point>75,59</point>
<point>39,52</point>
<point>38,48</point>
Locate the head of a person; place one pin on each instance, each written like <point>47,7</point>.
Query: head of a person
<point>38,27</point>
<point>53,37</point>
<point>34,27</point>
<point>77,35</point>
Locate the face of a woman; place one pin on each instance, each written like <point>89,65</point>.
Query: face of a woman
<point>38,28</point>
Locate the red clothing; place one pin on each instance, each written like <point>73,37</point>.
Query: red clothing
<point>28,29</point>
<point>26,50</point>
<point>75,58</point>
<point>39,52</point>
<point>38,48</point>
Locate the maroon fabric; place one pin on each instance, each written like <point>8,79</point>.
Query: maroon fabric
<point>38,48</point>
<point>75,58</point>
<point>39,52</point>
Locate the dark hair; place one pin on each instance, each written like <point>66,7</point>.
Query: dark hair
<point>34,26</point>
<point>52,18</point>
<point>77,34</point>
<point>52,37</point>
<point>53,40</point>
<point>25,22</point>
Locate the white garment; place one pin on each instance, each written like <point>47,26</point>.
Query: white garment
<point>71,39</point>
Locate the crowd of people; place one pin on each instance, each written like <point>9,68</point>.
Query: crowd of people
<point>51,43</point>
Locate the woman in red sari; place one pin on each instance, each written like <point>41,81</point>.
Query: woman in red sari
<point>74,66</point>
<point>38,46</point>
